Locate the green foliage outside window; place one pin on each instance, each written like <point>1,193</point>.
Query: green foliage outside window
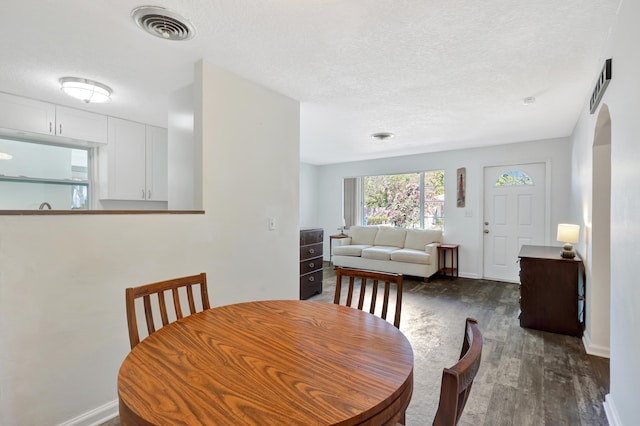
<point>396,200</point>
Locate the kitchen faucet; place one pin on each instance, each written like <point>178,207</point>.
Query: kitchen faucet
<point>43,205</point>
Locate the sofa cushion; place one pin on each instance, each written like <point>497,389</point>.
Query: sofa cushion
<point>390,237</point>
<point>411,256</point>
<point>363,234</point>
<point>349,250</point>
<point>418,238</point>
<point>378,252</point>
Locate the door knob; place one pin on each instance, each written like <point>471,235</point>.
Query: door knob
<point>486,223</point>
<point>486,231</point>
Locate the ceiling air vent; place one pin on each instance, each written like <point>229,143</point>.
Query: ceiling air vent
<point>163,23</point>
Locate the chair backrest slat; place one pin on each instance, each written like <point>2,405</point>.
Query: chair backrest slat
<point>176,302</point>
<point>192,305</point>
<point>374,297</point>
<point>148,314</point>
<point>458,380</point>
<point>156,291</point>
<point>375,277</point>
<point>363,288</point>
<point>163,308</point>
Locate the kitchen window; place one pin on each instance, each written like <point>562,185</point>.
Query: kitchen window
<point>39,176</point>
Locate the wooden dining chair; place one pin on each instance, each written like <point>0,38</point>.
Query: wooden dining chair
<point>159,288</point>
<point>375,278</point>
<point>457,380</point>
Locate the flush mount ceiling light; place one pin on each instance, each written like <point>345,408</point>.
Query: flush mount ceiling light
<point>5,156</point>
<point>163,23</point>
<point>86,90</point>
<point>381,136</point>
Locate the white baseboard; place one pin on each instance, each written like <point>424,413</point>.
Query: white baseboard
<point>466,275</point>
<point>597,350</point>
<point>95,417</point>
<point>611,412</point>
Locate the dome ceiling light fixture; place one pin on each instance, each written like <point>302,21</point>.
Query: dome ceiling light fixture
<point>381,136</point>
<point>87,91</point>
<point>163,23</point>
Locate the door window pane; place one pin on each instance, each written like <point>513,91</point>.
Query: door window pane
<point>514,177</point>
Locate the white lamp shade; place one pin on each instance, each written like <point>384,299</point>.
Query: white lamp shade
<point>86,90</point>
<point>568,233</point>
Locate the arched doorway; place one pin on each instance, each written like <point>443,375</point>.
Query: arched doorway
<point>598,291</point>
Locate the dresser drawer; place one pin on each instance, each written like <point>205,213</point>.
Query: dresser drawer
<point>310,265</point>
<point>312,279</point>
<point>310,251</point>
<point>311,236</point>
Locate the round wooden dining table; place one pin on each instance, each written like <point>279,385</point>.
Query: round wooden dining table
<point>284,362</point>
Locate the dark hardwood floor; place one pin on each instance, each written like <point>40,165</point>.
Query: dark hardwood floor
<point>527,377</point>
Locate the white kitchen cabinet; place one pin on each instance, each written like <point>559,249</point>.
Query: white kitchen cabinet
<point>31,116</point>
<point>82,125</point>
<point>133,165</point>
<point>26,115</point>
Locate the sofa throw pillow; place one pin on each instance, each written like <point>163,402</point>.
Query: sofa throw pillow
<point>363,235</point>
<point>390,237</point>
<point>418,238</point>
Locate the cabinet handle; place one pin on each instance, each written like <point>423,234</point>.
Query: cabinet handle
<point>51,127</point>
<point>311,265</point>
<point>149,193</point>
<point>60,129</point>
<point>312,279</point>
<point>312,251</point>
<point>143,194</point>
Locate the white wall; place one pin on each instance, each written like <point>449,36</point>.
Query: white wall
<point>462,225</point>
<point>63,332</point>
<point>182,151</point>
<point>623,100</point>
<point>250,138</point>
<point>308,195</point>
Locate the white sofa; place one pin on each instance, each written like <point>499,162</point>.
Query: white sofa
<point>381,248</point>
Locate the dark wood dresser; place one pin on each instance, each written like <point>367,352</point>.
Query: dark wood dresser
<point>311,242</point>
<point>552,291</point>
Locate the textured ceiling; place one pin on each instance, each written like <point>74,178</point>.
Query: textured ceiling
<point>440,74</point>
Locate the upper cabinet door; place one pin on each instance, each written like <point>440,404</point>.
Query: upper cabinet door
<point>27,115</point>
<point>157,164</point>
<point>81,125</point>
<point>126,161</point>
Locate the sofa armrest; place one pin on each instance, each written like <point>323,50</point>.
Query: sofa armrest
<point>342,242</point>
<point>432,248</point>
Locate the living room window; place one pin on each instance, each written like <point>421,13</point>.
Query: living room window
<point>408,200</point>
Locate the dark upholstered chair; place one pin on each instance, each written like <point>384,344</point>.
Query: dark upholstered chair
<point>375,278</point>
<point>159,289</point>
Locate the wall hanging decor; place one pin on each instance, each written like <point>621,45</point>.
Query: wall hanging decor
<point>462,183</point>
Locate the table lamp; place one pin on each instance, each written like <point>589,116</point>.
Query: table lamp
<point>568,234</point>
<point>341,229</point>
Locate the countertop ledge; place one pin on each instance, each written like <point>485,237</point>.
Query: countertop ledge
<point>92,212</point>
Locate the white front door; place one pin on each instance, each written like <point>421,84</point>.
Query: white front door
<point>514,215</point>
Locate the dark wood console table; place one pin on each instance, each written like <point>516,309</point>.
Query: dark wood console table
<point>552,291</point>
